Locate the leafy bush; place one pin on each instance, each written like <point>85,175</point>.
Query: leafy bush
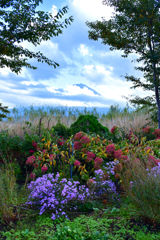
<point>89,124</point>
<point>20,235</point>
<point>15,149</point>
<point>92,153</point>
<point>142,186</point>
<point>155,147</point>
<point>9,195</point>
<point>61,130</point>
<point>10,147</point>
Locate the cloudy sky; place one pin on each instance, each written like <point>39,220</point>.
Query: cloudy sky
<point>89,73</point>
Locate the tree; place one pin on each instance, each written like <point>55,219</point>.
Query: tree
<point>4,111</point>
<point>19,22</point>
<point>135,28</point>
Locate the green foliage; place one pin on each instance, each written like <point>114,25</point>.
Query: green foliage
<point>14,150</point>
<point>155,146</point>
<point>3,111</point>
<point>144,194</point>
<point>19,235</point>
<point>9,195</point>
<point>89,124</point>
<point>61,130</point>
<point>20,22</point>
<point>135,28</point>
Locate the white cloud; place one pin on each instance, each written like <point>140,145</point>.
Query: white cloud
<point>4,72</point>
<point>84,51</point>
<point>25,74</point>
<point>110,87</point>
<point>95,71</point>
<point>54,10</point>
<point>28,83</point>
<point>6,85</point>
<point>92,9</point>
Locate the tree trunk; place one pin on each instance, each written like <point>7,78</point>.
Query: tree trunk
<point>155,77</point>
<point>159,117</point>
<point>156,94</point>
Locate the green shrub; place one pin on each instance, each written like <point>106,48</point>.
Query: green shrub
<point>61,130</point>
<point>8,193</point>
<point>14,150</point>
<point>89,124</point>
<point>143,190</point>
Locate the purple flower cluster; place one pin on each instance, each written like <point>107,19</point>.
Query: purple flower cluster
<point>51,193</point>
<point>155,171</point>
<point>109,167</point>
<point>102,185</point>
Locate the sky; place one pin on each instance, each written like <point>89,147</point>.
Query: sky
<point>89,75</point>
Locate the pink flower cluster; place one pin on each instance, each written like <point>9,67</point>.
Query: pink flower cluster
<point>78,135</point>
<point>146,129</point>
<point>157,133</point>
<point>34,144</point>
<point>116,154</point>
<point>85,140</point>
<point>77,145</point>
<point>97,163</point>
<point>90,156</point>
<point>44,168</point>
<point>77,163</point>
<point>110,149</point>
<point>30,160</point>
<point>80,140</point>
<point>60,142</point>
<point>113,129</point>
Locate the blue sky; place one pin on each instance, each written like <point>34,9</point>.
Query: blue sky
<point>89,73</point>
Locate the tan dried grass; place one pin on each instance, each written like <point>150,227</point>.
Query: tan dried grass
<point>126,122</point>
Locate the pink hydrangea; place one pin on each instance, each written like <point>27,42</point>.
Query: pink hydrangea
<point>113,129</point>
<point>90,155</point>
<point>118,154</point>
<point>146,129</point>
<point>60,142</point>
<point>157,133</point>
<point>44,168</point>
<point>30,160</point>
<point>78,136</point>
<point>110,148</point>
<point>35,165</point>
<point>77,163</point>
<point>31,151</point>
<point>124,157</point>
<point>85,140</point>
<point>77,145</point>
<point>34,144</point>
<point>97,162</point>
